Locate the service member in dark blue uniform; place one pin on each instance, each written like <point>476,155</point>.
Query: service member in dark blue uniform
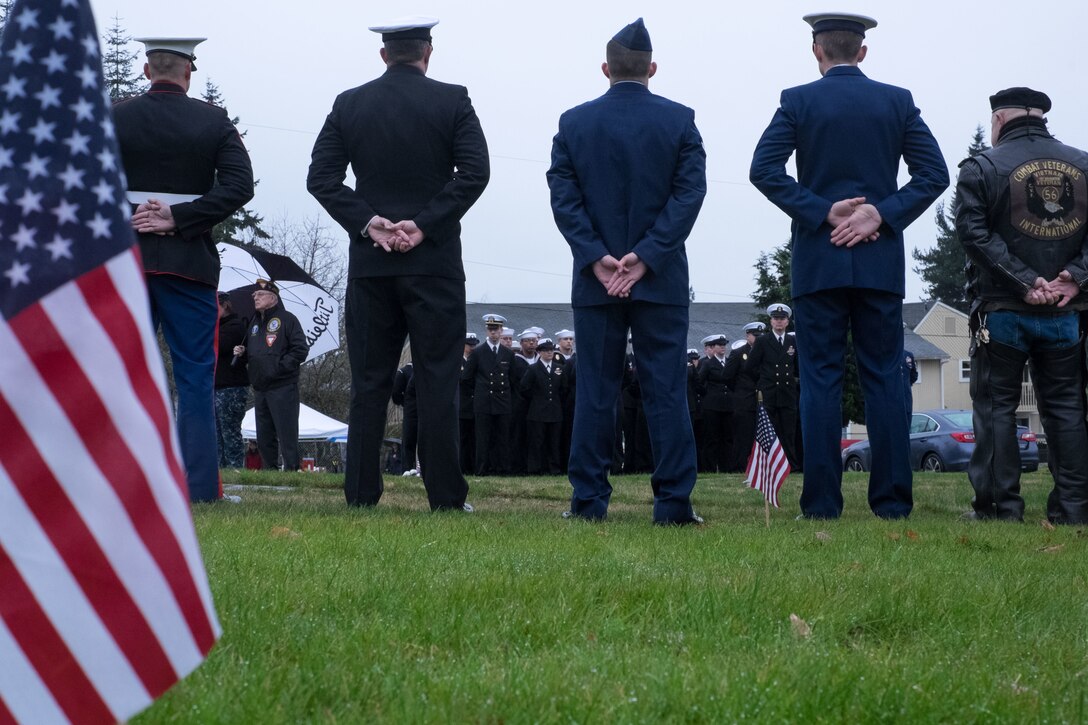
<point>275,348</point>
<point>466,417</point>
<point>743,385</point>
<point>849,134</point>
<point>627,180</point>
<point>187,171</point>
<point>773,363</point>
<point>717,402</point>
<point>231,386</point>
<point>486,375</point>
<point>420,162</point>
<point>540,387</point>
<point>1022,217</point>
<point>409,433</point>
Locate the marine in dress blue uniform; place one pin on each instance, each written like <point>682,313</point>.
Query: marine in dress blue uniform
<point>849,134</point>
<point>187,171</point>
<point>627,180</point>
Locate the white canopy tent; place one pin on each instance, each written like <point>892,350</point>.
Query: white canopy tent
<point>312,426</point>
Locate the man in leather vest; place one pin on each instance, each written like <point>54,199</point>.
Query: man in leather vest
<point>1020,215</point>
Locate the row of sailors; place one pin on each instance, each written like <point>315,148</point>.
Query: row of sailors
<point>517,405</point>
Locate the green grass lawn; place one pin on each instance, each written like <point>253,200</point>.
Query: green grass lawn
<point>515,615</point>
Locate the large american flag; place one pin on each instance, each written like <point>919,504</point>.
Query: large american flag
<point>767,465</point>
<point>104,602</point>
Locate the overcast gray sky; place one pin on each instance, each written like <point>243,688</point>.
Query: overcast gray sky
<point>279,66</point>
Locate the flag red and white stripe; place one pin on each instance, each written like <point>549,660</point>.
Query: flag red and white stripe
<point>768,466</point>
<point>104,602</point>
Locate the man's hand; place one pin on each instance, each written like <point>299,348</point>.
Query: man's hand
<point>841,210</point>
<point>1040,293</point>
<point>631,270</point>
<point>409,237</point>
<point>384,233</point>
<point>1064,288</point>
<point>154,217</point>
<point>605,270</point>
<point>860,226</point>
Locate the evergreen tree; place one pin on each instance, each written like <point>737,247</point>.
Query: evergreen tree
<point>773,285</point>
<point>941,267</point>
<point>117,62</point>
<point>244,225</point>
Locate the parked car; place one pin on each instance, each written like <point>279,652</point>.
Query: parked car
<point>942,440</point>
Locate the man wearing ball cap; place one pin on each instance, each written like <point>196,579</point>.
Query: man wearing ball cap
<point>418,155</point>
<point>849,134</point>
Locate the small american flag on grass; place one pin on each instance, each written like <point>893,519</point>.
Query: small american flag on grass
<point>767,466</point>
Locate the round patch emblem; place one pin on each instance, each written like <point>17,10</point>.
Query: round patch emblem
<point>255,330</point>
<point>1049,199</point>
<point>274,324</point>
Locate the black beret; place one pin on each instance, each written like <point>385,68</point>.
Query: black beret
<point>1020,97</point>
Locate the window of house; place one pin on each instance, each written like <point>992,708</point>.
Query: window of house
<point>950,325</point>
<point>965,371</point>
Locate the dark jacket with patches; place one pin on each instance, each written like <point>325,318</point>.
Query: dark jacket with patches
<point>487,375</point>
<point>275,348</point>
<point>541,390</point>
<point>774,366</point>
<point>174,144</point>
<point>1021,213</point>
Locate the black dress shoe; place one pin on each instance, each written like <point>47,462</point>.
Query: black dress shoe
<point>695,520</point>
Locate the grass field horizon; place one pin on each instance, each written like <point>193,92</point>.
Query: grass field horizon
<point>515,615</point>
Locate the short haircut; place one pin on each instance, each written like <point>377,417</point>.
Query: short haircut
<point>627,64</point>
<point>405,51</point>
<point>167,64</point>
<point>839,45</point>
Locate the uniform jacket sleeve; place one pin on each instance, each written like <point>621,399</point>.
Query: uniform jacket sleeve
<point>768,171</point>
<point>472,171</point>
<point>233,187</point>
<point>984,247</point>
<point>569,207</point>
<point>674,222</point>
<point>928,175</point>
<point>329,162</point>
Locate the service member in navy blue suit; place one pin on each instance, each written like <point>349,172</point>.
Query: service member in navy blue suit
<point>187,171</point>
<point>544,415</point>
<point>420,162</point>
<point>849,134</point>
<point>486,377</point>
<point>627,180</point>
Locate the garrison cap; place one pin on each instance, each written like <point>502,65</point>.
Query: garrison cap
<point>779,310</point>
<point>718,339</point>
<point>1020,98</point>
<point>635,37</point>
<point>564,333</point>
<point>493,320</point>
<point>507,331</point>
<point>471,339</point>
<point>176,46</point>
<point>529,334</point>
<point>538,330</point>
<point>756,328</point>
<point>268,285</point>
<point>407,27</point>
<point>824,22</point>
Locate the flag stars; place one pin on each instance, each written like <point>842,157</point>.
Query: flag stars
<point>18,274</point>
<point>90,44</point>
<point>24,238</point>
<point>99,226</point>
<point>60,247</point>
<point>21,53</point>
<point>61,29</point>
<point>6,156</point>
<point>14,88</point>
<point>72,178</point>
<point>54,62</point>
<point>107,127</point>
<point>27,19</point>
<point>9,122</point>
<point>42,131</point>
<point>87,77</point>
<point>65,212</point>
<point>104,192</point>
<point>29,202</point>
<point>83,109</point>
<point>37,166</point>
<point>107,159</point>
<point>78,143</point>
<point>3,194</point>
<point>49,97</point>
